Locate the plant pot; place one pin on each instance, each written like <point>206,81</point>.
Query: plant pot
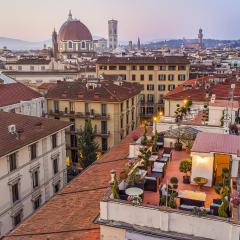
<point>178,146</point>
<point>186,179</point>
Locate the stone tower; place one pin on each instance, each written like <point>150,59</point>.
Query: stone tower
<point>200,38</point>
<point>55,44</point>
<point>138,44</point>
<point>112,34</point>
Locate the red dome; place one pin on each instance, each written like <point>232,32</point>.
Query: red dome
<point>74,30</point>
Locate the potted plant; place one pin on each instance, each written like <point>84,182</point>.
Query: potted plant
<point>185,167</point>
<point>144,140</point>
<point>174,182</point>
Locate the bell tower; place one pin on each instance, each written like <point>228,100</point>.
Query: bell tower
<point>54,44</point>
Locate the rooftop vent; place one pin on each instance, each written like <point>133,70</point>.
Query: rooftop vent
<point>12,129</point>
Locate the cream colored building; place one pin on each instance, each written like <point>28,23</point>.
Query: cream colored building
<point>33,168</point>
<point>113,108</point>
<point>158,75</point>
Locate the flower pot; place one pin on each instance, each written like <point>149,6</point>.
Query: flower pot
<point>178,146</point>
<point>186,179</point>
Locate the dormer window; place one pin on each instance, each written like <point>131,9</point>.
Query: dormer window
<point>83,45</point>
<point>70,45</point>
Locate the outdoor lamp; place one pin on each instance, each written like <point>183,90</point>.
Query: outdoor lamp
<point>185,101</point>
<point>154,119</point>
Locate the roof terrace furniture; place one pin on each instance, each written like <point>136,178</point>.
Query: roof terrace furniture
<point>164,159</point>
<point>153,158</point>
<point>151,184</point>
<point>134,191</point>
<point>158,167</point>
<point>192,198</point>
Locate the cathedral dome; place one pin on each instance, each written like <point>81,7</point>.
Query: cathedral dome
<point>74,30</point>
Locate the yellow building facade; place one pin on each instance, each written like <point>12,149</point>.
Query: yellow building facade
<point>158,75</point>
<point>111,119</point>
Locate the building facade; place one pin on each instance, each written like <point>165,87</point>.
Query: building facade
<point>112,34</point>
<point>113,108</point>
<point>33,169</point>
<point>158,75</point>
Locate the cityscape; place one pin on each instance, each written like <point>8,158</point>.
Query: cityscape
<point>120,120</point>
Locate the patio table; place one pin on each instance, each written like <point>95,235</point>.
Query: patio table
<point>164,159</point>
<point>193,198</point>
<point>134,191</point>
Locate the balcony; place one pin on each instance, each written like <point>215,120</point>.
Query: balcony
<point>72,114</point>
<point>103,133</point>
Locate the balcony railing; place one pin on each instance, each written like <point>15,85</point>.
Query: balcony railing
<point>80,115</point>
<point>103,133</point>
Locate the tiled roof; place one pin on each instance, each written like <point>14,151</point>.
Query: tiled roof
<point>224,103</point>
<point>219,143</point>
<point>104,91</point>
<point>15,92</point>
<point>143,60</point>
<point>30,129</point>
<point>70,213</point>
<point>30,61</point>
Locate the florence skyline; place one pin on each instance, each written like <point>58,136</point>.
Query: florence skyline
<point>152,19</point>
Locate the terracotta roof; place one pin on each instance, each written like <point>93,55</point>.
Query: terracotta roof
<point>104,91</point>
<point>30,129</point>
<point>74,30</point>
<point>15,92</point>
<point>30,61</point>
<point>143,60</point>
<point>70,213</point>
<point>47,86</point>
<point>214,142</point>
<point>224,103</point>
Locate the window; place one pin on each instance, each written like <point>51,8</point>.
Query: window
<point>70,45</point>
<point>123,76</point>
<point>133,77</point>
<point>122,68</point>
<point>150,87</point>
<point>121,107</point>
<point>104,144</point>
<point>32,68</point>
<point>104,128</point>
<point>35,179</point>
<point>83,45</point>
<point>56,187</point>
<point>37,203</point>
<point>141,68</point>
<point>17,218</point>
<point>127,103</point>
<point>104,109</point>
<point>150,110</point>
<point>150,98</point>
<point>42,68</point>
<point>171,68</point>
<point>19,68</point>
<point>170,77</point>
<point>127,118</point>
<point>71,106</point>
<point>121,123</point>
<point>112,67</point>
<point>56,106</point>
<point>150,68</point>
<point>181,68</point>
<point>33,151</point>
<point>102,67</point>
<point>54,140</point>
<point>162,77</point>
<point>181,77</point>
<point>162,68</point>
<point>161,87</point>
<point>134,68</point>
<point>142,77</point>
<point>132,101</point>
<point>150,77</point>
<point>171,87</point>
<point>12,161</point>
<point>15,193</point>
<point>55,166</point>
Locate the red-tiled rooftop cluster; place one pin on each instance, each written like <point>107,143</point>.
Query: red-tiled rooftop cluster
<point>16,92</point>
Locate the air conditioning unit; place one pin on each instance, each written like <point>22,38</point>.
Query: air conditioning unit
<point>12,129</point>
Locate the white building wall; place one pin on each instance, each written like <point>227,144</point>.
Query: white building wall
<point>34,107</point>
<point>25,166</point>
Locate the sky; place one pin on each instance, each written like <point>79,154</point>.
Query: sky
<point>34,20</point>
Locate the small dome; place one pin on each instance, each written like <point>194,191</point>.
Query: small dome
<point>74,30</point>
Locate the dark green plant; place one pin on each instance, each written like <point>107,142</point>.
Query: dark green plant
<point>145,155</point>
<point>115,189</point>
<point>134,178</point>
<point>174,182</point>
<point>155,138</point>
<point>88,146</point>
<point>144,137</point>
<point>199,211</point>
<point>185,166</point>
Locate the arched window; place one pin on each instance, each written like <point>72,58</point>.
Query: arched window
<point>70,45</point>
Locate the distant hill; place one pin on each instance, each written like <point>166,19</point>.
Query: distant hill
<point>18,44</point>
